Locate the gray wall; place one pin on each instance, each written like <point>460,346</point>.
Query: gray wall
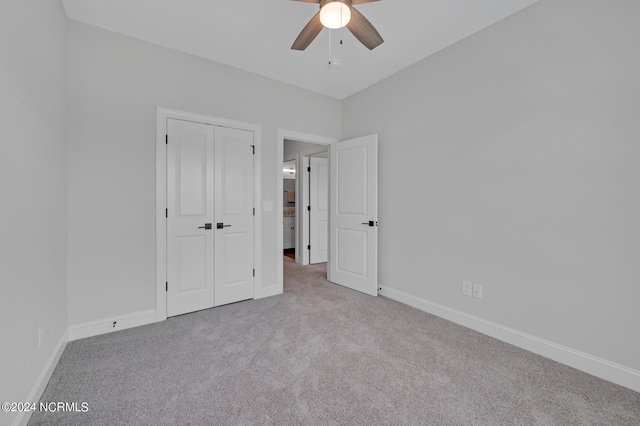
<point>115,85</point>
<point>33,180</point>
<point>511,160</point>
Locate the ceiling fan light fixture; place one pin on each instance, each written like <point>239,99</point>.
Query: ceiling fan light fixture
<point>335,14</point>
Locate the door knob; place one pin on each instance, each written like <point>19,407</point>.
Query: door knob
<point>220,225</point>
<point>370,223</point>
<point>206,226</point>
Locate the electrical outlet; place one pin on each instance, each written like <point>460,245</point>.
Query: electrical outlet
<point>477,291</point>
<point>267,205</point>
<point>466,288</point>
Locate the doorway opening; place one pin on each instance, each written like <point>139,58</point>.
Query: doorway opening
<point>289,212</point>
<point>305,201</point>
<point>294,153</point>
<point>352,223</point>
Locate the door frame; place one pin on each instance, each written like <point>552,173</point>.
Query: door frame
<point>300,137</point>
<point>162,114</point>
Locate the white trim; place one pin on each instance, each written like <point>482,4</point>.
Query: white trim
<point>300,137</point>
<point>43,379</point>
<point>616,373</point>
<point>272,290</point>
<point>162,114</point>
<point>259,292</point>
<point>161,202</point>
<point>108,325</point>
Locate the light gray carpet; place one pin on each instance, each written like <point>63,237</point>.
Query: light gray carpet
<point>322,354</point>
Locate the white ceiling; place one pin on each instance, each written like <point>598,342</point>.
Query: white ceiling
<point>256,35</point>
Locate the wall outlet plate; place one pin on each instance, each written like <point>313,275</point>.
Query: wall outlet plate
<point>477,291</point>
<point>466,288</point>
<point>267,205</point>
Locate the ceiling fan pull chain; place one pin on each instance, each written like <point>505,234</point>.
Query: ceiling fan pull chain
<point>330,46</point>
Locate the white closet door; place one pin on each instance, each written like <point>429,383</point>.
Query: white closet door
<point>233,215</point>
<point>190,206</point>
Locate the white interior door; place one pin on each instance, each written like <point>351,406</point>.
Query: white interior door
<point>233,215</point>
<point>190,205</point>
<point>353,214</point>
<point>319,212</point>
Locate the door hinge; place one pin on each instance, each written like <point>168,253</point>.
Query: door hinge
<point>309,247</point>
<point>254,211</point>
<point>308,169</point>
<point>309,208</point>
<point>166,286</point>
<point>166,212</point>
<point>166,139</point>
<point>254,272</point>
<point>253,149</point>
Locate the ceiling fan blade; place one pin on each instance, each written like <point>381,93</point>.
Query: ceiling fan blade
<point>308,33</point>
<point>362,29</point>
<point>355,1</point>
<point>318,1</point>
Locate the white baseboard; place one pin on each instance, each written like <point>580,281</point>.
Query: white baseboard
<point>42,380</point>
<point>109,325</point>
<point>590,364</point>
<point>268,292</point>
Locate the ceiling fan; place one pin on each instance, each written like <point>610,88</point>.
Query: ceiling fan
<point>337,14</point>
